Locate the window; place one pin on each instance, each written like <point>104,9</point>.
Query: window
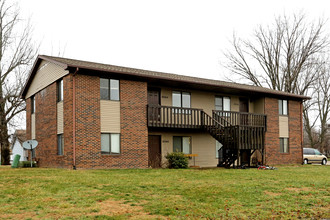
<point>110,143</point>
<point>283,107</point>
<point>317,152</point>
<point>60,144</point>
<point>222,103</point>
<point>181,99</point>
<point>109,89</point>
<point>182,144</point>
<point>33,104</point>
<point>218,146</point>
<point>60,90</point>
<point>309,151</point>
<point>284,145</point>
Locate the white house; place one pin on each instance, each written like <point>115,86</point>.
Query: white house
<point>17,145</point>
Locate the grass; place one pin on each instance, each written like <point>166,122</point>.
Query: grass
<point>289,192</point>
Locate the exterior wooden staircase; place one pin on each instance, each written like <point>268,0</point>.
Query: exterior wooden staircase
<point>234,130</point>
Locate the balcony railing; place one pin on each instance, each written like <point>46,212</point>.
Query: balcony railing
<point>177,117</point>
<point>235,129</point>
<point>174,117</point>
<point>230,118</point>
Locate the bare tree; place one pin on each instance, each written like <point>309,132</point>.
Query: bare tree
<point>16,54</point>
<point>322,105</point>
<point>287,56</point>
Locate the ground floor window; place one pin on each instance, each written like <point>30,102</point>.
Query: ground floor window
<point>110,143</point>
<point>60,144</point>
<point>218,145</point>
<point>182,144</point>
<point>284,145</point>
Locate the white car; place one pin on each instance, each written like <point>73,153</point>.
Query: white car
<point>312,155</point>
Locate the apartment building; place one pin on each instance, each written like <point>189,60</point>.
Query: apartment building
<point>91,115</point>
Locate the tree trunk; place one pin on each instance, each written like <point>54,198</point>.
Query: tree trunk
<point>4,142</point>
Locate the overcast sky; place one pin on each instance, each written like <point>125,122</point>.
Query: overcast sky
<point>176,36</point>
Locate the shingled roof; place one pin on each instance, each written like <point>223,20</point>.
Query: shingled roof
<point>157,76</point>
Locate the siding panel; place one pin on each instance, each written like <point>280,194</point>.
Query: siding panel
<point>110,116</point>
<point>284,126</point>
<point>46,75</point>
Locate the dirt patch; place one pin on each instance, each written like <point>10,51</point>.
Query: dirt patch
<point>272,193</point>
<point>302,189</point>
<point>18,215</point>
<point>115,208</point>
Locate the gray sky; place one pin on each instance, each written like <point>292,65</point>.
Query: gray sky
<point>177,36</point>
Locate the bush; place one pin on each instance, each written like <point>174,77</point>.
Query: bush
<point>177,160</point>
<point>27,164</point>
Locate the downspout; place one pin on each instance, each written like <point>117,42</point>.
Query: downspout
<point>74,117</point>
<point>302,131</point>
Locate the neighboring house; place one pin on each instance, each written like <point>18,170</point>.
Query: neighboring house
<point>91,115</point>
<point>17,145</point>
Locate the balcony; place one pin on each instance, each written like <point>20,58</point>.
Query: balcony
<point>235,130</point>
<point>174,117</point>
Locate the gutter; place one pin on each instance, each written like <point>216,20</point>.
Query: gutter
<point>74,117</point>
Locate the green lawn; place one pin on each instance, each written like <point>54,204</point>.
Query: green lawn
<point>289,192</point>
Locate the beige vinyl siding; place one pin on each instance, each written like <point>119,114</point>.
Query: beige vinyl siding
<point>33,126</point>
<point>251,106</point>
<point>259,106</point>
<point>284,126</point>
<point>166,97</point>
<point>203,100</point>
<point>234,103</point>
<point>200,100</point>
<point>201,144</point>
<point>60,121</point>
<point>47,74</point>
<point>110,116</point>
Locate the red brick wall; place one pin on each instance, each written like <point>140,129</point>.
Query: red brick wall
<point>134,131</point>
<point>88,131</point>
<point>272,143</point>
<point>46,127</point>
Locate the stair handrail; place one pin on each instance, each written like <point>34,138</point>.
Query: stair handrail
<point>214,113</point>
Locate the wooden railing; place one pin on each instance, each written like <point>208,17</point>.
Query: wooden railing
<point>229,118</point>
<point>235,129</point>
<point>174,117</point>
<point>228,134</point>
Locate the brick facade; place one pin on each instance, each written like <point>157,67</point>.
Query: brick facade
<point>134,131</point>
<point>133,126</point>
<point>46,126</point>
<point>272,141</point>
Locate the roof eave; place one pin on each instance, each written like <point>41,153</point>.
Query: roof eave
<point>295,96</point>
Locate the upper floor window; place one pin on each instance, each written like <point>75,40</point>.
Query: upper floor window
<point>283,107</point>
<point>33,104</point>
<point>222,103</point>
<point>109,89</point>
<point>60,90</point>
<point>181,99</point>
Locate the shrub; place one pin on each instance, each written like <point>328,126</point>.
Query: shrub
<point>177,160</point>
